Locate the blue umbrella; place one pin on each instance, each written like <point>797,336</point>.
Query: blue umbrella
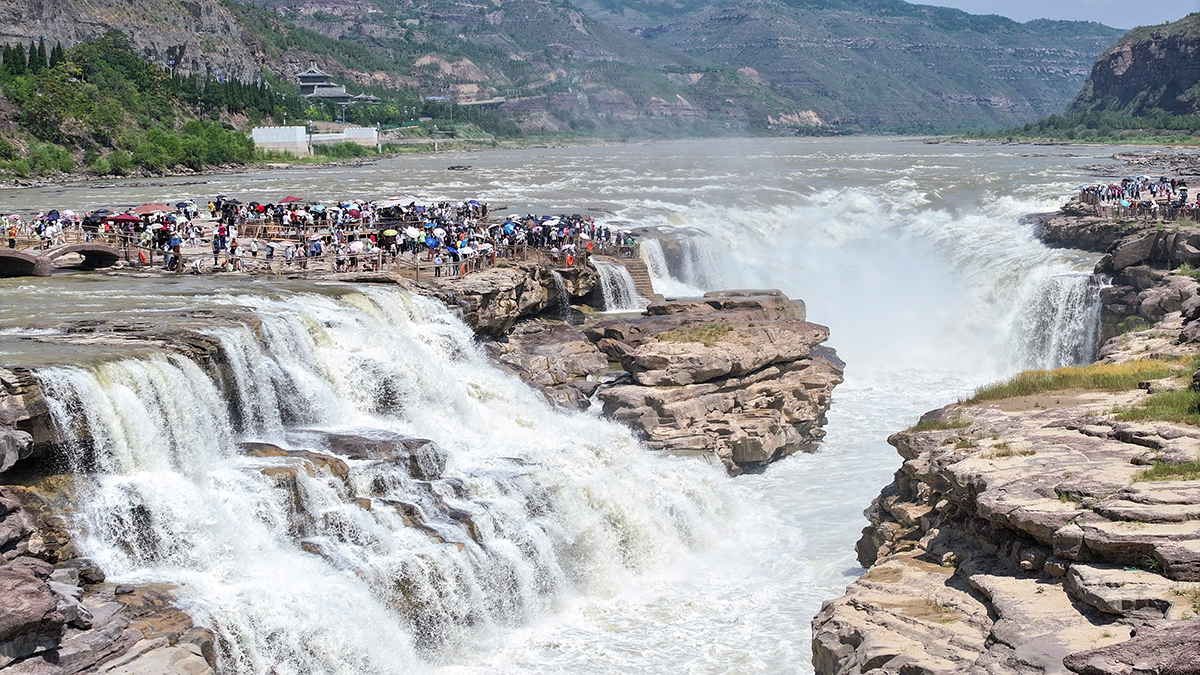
<point>431,242</point>
<point>1124,202</point>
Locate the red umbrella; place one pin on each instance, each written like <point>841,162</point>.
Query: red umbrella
<point>152,208</point>
<point>289,199</point>
<point>124,218</point>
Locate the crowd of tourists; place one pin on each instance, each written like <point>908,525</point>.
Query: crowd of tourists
<point>454,237</point>
<point>1142,192</point>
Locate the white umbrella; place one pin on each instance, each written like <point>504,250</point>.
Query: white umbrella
<point>356,246</point>
<point>412,232</point>
<point>439,232</point>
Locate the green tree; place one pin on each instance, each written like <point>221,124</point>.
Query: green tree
<point>57,55</point>
<point>34,66</point>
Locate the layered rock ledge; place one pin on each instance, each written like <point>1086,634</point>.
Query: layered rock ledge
<point>736,376</point>
<point>1022,533</point>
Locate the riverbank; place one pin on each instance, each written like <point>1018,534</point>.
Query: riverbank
<point>455,147</point>
<point>1054,519</point>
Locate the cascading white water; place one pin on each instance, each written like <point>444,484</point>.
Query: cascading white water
<point>700,263</point>
<point>563,297</point>
<point>293,573</point>
<point>660,272</point>
<point>1060,325</point>
<point>616,284</point>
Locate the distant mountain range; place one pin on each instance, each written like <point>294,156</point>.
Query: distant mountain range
<point>675,66</point>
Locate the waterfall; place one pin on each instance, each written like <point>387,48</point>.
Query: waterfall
<point>700,263</point>
<point>385,564</point>
<point>563,297</point>
<point>660,271</point>
<point>655,259</point>
<point>620,293</point>
<point>1060,325</point>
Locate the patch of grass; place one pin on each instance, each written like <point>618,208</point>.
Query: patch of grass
<point>707,335</point>
<point>964,443</point>
<point>941,612</point>
<point>1001,453</point>
<point>1181,406</point>
<point>936,425</point>
<point>1132,324</point>
<point>1066,497</point>
<point>1112,377</point>
<point>1188,271</point>
<point>1164,471</point>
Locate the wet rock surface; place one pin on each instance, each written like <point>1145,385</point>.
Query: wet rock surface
<point>61,617</point>
<point>1141,259</point>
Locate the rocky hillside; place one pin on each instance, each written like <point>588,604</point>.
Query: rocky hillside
<point>1151,69</point>
<point>692,67</point>
<point>881,64</point>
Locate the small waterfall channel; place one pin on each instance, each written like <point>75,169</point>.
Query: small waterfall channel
<point>564,297</point>
<point>451,505</point>
<point>619,290</point>
<point>1060,324</point>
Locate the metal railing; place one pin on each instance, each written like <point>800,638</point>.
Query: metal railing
<point>418,267</point>
<point>1136,211</point>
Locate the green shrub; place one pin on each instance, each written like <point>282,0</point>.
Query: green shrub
<point>120,162</point>
<point>47,158</point>
<point>342,150</point>
<point>19,167</point>
<point>1188,271</point>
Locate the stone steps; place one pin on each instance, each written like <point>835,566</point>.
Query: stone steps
<point>639,272</point>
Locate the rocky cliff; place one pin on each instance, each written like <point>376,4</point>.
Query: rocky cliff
<point>187,36</point>
<point>1016,534</point>
<point>1156,68</point>
<point>1025,534</point>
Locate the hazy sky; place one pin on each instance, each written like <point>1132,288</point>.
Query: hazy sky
<point>1115,13</point>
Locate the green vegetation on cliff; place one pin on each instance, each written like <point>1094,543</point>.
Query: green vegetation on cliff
<point>102,105</point>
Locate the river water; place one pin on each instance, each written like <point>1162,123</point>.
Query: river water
<point>596,556</point>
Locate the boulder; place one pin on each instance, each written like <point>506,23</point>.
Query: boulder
<point>1168,648</point>
<point>1120,591</point>
<point>30,621</point>
<point>738,375</point>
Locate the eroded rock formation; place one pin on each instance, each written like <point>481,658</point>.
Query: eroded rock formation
<point>738,376</point>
